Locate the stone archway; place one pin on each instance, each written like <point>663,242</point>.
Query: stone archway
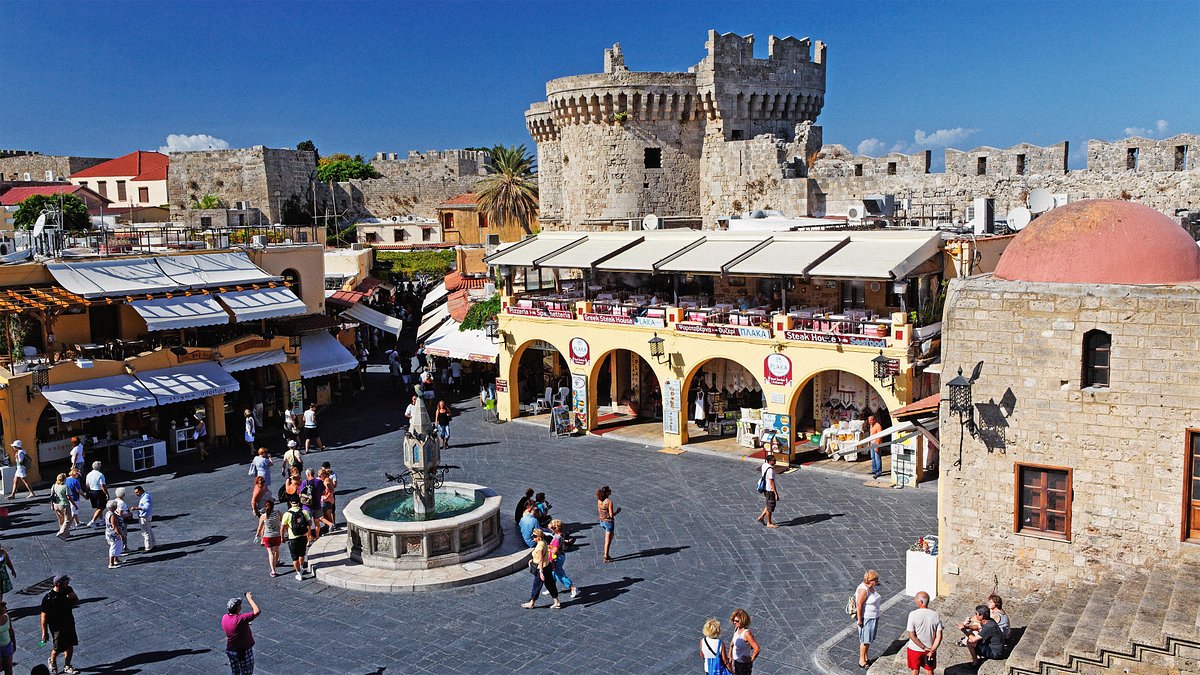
<point>635,377</point>
<point>857,396</point>
<point>517,388</point>
<point>745,378</point>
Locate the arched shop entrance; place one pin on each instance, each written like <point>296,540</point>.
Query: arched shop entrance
<point>542,372</point>
<point>718,392</point>
<point>625,390</point>
<point>833,396</point>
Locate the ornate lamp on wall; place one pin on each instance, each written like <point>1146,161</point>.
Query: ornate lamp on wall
<point>656,348</point>
<point>885,371</point>
<point>961,404</point>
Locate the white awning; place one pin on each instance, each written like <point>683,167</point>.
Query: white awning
<point>181,311</point>
<point>257,360</point>
<point>157,274</point>
<point>469,345</point>
<point>435,295</point>
<point>643,256</point>
<point>228,268</point>
<point>711,255</point>
<point>385,323</point>
<point>876,257</point>
<point>786,257</point>
<point>526,251</point>
<point>187,382</point>
<point>596,249</point>
<point>99,396</point>
<point>321,354</point>
<point>431,321</point>
<point>263,303</point>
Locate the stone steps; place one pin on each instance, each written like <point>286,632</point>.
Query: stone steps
<point>1114,634</point>
<point>1083,639</point>
<point>1182,620</point>
<point>1147,627</point>
<point>1069,617</point>
<point>1023,657</point>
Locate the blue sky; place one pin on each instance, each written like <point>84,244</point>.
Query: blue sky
<point>104,78</point>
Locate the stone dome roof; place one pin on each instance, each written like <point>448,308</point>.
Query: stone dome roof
<point>1102,241</point>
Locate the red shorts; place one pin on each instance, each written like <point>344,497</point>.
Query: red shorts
<point>272,542</point>
<point>921,660</point>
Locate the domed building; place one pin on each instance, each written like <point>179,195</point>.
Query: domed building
<point>1072,476</point>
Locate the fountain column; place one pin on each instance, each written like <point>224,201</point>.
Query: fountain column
<point>422,456</point>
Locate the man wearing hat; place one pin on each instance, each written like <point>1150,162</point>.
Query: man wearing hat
<point>239,641</point>
<point>58,620</point>
<point>23,462</point>
<point>292,459</point>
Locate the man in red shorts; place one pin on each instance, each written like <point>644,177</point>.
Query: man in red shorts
<point>924,635</point>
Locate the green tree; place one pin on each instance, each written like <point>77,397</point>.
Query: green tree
<point>309,146</point>
<point>75,213</point>
<point>208,202</point>
<point>345,170</point>
<point>432,263</point>
<point>335,157</point>
<point>509,194</point>
<point>480,313</point>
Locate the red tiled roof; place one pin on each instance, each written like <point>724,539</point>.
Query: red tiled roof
<point>158,173</point>
<point>137,164</point>
<point>926,405</point>
<point>465,199</point>
<point>311,323</point>
<point>367,285</point>
<point>458,305</point>
<point>346,298</point>
<point>455,281</point>
<point>19,194</point>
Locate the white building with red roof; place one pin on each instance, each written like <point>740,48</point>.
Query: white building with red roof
<point>138,179</point>
<point>10,200</point>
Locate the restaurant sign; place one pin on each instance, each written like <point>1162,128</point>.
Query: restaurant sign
<point>580,352</point>
<point>540,311</point>
<point>836,338</point>
<point>196,355</point>
<point>777,369</point>
<point>250,344</point>
<point>737,331</point>
<point>501,385</point>
<point>644,321</point>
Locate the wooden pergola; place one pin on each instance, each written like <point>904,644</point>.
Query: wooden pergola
<point>44,300</point>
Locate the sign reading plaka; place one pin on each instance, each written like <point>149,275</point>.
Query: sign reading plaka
<point>777,369</point>
<point>539,311</point>
<point>836,338</point>
<point>580,352</point>
<point>737,331</point>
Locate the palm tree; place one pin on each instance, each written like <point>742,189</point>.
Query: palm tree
<point>509,193</point>
<point>207,202</point>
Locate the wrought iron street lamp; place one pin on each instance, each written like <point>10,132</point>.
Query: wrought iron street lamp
<point>491,328</point>
<point>656,348</point>
<point>885,370</point>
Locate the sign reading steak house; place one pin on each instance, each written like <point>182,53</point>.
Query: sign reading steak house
<point>648,321</point>
<point>539,311</point>
<point>836,338</point>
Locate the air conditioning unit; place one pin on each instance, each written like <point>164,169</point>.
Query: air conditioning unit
<point>259,241</point>
<point>493,240</point>
<point>356,246</point>
<point>854,214</point>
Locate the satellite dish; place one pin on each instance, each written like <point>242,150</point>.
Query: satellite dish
<point>1018,218</point>
<point>39,225</point>
<point>651,222</point>
<point>1040,200</point>
<point>854,213</point>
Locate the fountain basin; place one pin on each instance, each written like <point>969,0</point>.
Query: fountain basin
<point>422,544</point>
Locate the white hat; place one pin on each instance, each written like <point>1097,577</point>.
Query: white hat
<point>17,444</point>
<point>291,444</point>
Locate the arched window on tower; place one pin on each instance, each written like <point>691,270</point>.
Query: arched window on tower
<point>292,278</point>
<point>1097,348</point>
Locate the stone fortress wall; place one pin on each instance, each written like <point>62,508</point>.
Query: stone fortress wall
<point>253,175</point>
<point>432,164</point>
<point>736,133</point>
<point>14,164</point>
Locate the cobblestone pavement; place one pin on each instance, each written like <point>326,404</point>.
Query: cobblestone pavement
<point>687,547</point>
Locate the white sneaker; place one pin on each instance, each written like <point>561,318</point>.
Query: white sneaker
<point>299,576</point>
<point>574,593</point>
<point>546,591</point>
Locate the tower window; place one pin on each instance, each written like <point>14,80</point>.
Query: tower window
<point>981,166</point>
<point>1097,353</point>
<point>891,169</point>
<point>858,169</point>
<point>653,158</point>
<point>1181,157</point>
<point>1021,168</point>
<point>1131,159</point>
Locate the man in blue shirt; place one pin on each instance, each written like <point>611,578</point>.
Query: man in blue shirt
<point>145,514</point>
<point>75,491</point>
<point>528,523</point>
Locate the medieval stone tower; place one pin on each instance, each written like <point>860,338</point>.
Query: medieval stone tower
<point>617,145</point>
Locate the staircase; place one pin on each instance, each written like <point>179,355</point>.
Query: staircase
<point>1147,622</point>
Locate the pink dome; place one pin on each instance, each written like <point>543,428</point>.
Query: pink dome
<point>1102,241</point>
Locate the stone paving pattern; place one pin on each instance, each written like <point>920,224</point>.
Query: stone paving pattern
<point>686,542</point>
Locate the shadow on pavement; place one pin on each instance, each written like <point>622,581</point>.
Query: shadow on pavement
<point>598,593</point>
<point>128,665</point>
<point>809,520</point>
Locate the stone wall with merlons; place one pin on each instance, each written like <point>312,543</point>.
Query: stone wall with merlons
<point>1126,444</point>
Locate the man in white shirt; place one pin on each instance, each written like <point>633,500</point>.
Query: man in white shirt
<point>145,514</point>
<point>924,635</point>
<point>310,428</point>
<point>97,493</point>
<point>410,411</point>
<point>772,492</point>
<point>77,453</point>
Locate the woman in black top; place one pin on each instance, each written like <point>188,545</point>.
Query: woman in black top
<point>442,417</point>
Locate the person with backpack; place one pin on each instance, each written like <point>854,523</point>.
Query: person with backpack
<point>716,657</point>
<point>292,459</point>
<point>769,490</point>
<point>23,462</point>
<point>311,491</point>
<point>296,525</point>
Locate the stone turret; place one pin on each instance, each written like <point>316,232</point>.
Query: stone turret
<point>421,456</point>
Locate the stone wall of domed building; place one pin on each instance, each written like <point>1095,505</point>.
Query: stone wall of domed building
<point>1074,471</point>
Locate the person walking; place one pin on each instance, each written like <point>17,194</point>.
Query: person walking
<point>867,603</point>
<point>258,494</point>
<point>311,491</point>
<point>770,491</point>
<point>60,503</point>
<point>743,648</point>
<point>8,640</point>
<point>543,572</point>
<point>261,466</point>
<point>200,435</point>
<point>924,636</point>
<point>6,566</point>
<point>558,554</point>
<point>311,430</point>
<point>442,417</point>
<point>293,458</point>
<point>296,525</point>
<point>145,515</point>
<point>874,427</point>
<point>97,493</point>
<point>328,498</point>
<point>716,657</point>
<point>608,518</point>
<point>114,533</point>
<point>22,462</point>
<point>239,639</point>
<point>58,622</point>
<point>250,429</point>
<point>270,532</point>
<point>291,430</point>
<point>77,459</point>
<point>75,490</point>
